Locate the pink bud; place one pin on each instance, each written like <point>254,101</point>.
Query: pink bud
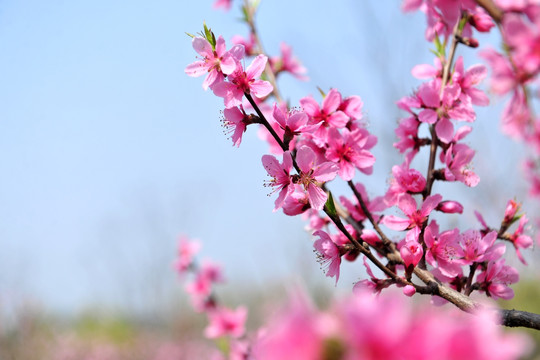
<point>481,21</point>
<point>450,207</point>
<point>409,290</point>
<point>511,209</point>
<point>411,252</point>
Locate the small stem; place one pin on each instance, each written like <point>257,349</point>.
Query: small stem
<point>468,287</point>
<point>431,165</point>
<point>267,70</point>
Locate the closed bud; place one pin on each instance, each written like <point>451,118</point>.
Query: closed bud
<point>450,207</point>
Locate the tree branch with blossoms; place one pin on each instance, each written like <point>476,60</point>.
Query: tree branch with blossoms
<point>327,141</point>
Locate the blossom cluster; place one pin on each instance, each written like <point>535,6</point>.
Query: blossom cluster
<point>361,326</point>
<point>318,142</point>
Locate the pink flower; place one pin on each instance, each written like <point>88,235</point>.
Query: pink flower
<point>249,44</point>
<point>444,250</point>
<point>352,107</point>
<point>288,63</point>
<point>328,115</point>
<point>225,322</point>
<point>415,218</point>
<point>293,123</point>
<point>457,158</point>
<point>503,78</point>
<point>467,80</point>
<point>411,252</point>
<point>519,240</point>
<point>186,251</point>
<point>235,121</point>
<point>328,253</point>
<point>404,180</point>
<point>214,63</point>
<point>241,82</point>
<point>345,149</point>
<point>496,278</point>
<point>201,288</point>
<point>296,202</point>
<point>225,4</point>
<point>516,116</point>
<point>478,248</point>
<point>280,176</point>
<point>313,176</point>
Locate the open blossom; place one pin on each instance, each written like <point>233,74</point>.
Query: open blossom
<point>296,202</point>
<point>520,240</point>
<point>288,63</point>
<point>240,82</point>
<point>478,248</point>
<point>404,180</point>
<point>225,321</point>
<point>313,176</point>
<point>415,217</point>
<point>186,251</point>
<point>346,150</point>
<point>328,114</point>
<point>457,159</point>
<point>467,80</point>
<point>235,121</point>
<point>443,250</point>
<point>293,123</point>
<point>496,278</point>
<point>280,175</point>
<point>214,63</point>
<point>328,253</point>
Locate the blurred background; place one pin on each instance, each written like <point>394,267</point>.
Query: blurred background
<point>109,152</point>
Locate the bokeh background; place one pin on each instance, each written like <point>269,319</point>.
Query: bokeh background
<point>109,152</point>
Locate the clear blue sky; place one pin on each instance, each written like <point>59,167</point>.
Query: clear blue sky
<point>108,151</point>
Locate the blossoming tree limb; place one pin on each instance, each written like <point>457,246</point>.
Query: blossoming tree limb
<point>320,143</point>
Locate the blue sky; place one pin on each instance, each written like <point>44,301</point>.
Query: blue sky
<point>109,151</point>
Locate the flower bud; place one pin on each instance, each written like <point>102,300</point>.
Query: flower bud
<point>450,207</point>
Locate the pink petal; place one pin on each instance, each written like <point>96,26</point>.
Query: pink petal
<point>430,203</point>
<point>279,116</point>
<point>445,130</point>
<point>202,47</point>
<point>317,197</point>
<point>424,71</point>
<point>325,172</point>
<point>338,119</point>
<point>310,106</point>
<point>332,101</point>
<point>478,97</point>
<point>271,164</point>
<point>256,68</point>
<point>305,158</point>
<point>228,64</point>
<point>407,204</point>
<point>197,68</point>
<point>260,88</point>
<point>428,116</point>
<point>395,223</point>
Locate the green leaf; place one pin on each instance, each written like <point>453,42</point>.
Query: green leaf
<point>209,35</point>
<point>331,206</point>
<point>323,94</point>
<point>190,35</point>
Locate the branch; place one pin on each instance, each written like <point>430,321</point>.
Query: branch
<point>517,318</point>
